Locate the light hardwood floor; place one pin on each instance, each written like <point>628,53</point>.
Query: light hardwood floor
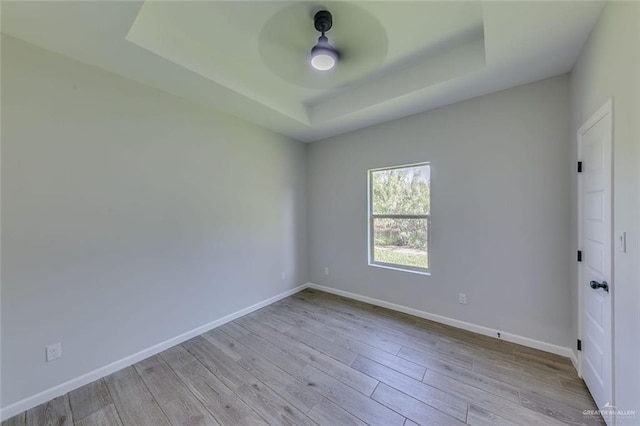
<point>316,358</point>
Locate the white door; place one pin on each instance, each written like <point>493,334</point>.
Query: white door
<point>595,224</point>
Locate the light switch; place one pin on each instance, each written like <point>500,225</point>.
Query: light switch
<point>622,242</point>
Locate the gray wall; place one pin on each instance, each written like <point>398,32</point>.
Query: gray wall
<point>130,216</point>
<point>609,66</point>
<point>500,210</point>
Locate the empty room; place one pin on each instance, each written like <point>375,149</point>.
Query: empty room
<point>320,213</point>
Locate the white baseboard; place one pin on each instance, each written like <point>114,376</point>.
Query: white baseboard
<point>575,362</point>
<point>513,338</point>
<point>56,391</point>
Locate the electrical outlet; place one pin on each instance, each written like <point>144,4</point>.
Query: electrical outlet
<point>54,351</point>
<point>326,270</point>
<point>462,298</point>
<point>283,276</point>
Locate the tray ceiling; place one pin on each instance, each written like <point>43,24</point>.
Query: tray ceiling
<point>251,58</point>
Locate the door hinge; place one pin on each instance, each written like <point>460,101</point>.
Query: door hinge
<point>579,255</point>
<point>579,345</point>
<point>579,166</point>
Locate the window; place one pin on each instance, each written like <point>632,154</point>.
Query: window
<point>399,217</point>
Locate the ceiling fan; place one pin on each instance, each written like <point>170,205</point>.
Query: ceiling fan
<point>323,55</point>
<point>341,51</point>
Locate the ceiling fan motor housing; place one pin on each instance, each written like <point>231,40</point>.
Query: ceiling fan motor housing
<point>323,21</point>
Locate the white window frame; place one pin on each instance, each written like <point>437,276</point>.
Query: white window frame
<point>371,217</point>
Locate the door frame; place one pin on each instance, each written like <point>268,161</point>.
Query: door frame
<point>606,108</point>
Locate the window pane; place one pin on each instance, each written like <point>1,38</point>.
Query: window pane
<point>401,191</point>
<point>401,242</point>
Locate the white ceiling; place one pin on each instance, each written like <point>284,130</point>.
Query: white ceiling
<point>251,58</point>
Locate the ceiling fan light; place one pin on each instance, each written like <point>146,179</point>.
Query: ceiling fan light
<point>323,60</point>
<point>323,55</point>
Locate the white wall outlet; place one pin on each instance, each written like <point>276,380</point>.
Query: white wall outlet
<point>283,276</point>
<point>54,351</point>
<point>326,270</point>
<point>462,298</point>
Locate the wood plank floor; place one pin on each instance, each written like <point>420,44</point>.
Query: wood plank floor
<point>315,358</point>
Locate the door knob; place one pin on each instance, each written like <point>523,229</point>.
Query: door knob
<point>596,285</point>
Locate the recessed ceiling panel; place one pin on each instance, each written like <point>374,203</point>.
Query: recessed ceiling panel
<point>246,58</point>
<point>214,40</point>
<point>461,56</point>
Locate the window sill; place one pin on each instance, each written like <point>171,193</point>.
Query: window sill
<point>401,269</point>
